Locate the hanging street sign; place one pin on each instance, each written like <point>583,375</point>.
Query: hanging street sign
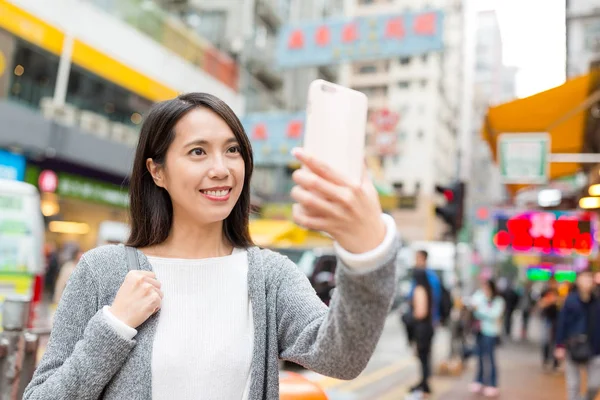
<point>524,158</point>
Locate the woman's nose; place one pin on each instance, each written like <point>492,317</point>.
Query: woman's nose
<point>219,169</point>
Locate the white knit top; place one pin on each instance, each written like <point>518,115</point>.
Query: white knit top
<point>205,335</point>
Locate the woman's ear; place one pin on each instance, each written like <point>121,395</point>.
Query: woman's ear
<point>156,172</point>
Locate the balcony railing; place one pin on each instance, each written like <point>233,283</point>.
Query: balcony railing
<point>170,32</point>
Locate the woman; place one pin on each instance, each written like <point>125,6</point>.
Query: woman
<point>422,327</point>
<point>578,326</point>
<point>207,313</point>
<point>488,307</point>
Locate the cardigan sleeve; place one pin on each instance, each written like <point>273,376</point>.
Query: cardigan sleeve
<point>84,351</point>
<point>336,341</point>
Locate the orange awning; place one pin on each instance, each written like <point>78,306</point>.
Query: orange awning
<point>560,111</point>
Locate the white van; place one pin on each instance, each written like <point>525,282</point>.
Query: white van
<point>21,238</point>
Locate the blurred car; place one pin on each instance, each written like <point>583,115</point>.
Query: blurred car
<point>293,386</point>
<point>318,264</point>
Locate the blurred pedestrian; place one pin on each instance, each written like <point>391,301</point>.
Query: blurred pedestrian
<point>511,300</point>
<point>422,329</point>
<point>228,309</point>
<point>63,276</point>
<point>578,338</point>
<point>434,282</point>
<point>488,308</point>
<point>548,306</point>
<point>52,268</point>
<point>527,305</point>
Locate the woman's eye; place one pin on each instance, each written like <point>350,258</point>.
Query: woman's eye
<point>234,149</point>
<point>197,152</point>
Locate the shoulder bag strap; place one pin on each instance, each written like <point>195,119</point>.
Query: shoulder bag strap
<point>132,259</point>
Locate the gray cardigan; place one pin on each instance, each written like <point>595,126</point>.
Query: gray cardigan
<point>87,359</point>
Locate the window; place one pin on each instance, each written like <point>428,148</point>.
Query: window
<point>367,69</point>
<point>404,60</point>
<point>417,187</point>
<point>423,83</point>
<point>404,84</point>
<point>86,91</point>
<point>365,2</point>
<point>420,135</point>
<point>425,58</point>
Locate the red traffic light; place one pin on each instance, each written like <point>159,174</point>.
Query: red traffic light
<point>449,195</point>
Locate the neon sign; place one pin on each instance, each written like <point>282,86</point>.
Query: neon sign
<point>561,233</point>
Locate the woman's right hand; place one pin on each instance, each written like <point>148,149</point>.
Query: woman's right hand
<point>138,298</point>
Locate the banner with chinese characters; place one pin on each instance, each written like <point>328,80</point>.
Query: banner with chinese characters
<point>363,38</point>
<point>558,233</point>
<point>274,135</point>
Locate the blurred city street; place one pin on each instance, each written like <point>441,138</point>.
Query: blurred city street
<point>393,369</point>
<point>188,131</point>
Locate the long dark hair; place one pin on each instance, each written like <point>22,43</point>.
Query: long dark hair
<point>493,288</point>
<point>151,210</point>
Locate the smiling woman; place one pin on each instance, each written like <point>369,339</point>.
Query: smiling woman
<point>190,308</point>
<point>195,149</point>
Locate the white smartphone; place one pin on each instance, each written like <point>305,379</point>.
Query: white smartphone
<point>336,123</point>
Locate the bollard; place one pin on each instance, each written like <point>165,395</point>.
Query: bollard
<point>32,343</point>
<point>15,312</point>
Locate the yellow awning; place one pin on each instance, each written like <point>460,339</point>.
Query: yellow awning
<point>560,111</point>
<point>283,233</point>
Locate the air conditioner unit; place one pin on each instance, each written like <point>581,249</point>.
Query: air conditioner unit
<point>95,124</point>
<point>64,115</point>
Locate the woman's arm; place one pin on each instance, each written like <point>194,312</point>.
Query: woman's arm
<point>421,303</point>
<point>84,351</point>
<point>340,341</point>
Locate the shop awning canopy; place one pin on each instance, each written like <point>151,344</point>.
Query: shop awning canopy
<point>560,111</point>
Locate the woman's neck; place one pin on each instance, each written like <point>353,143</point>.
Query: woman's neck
<point>193,241</point>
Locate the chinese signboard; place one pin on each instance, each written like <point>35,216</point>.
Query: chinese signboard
<point>82,188</point>
<point>559,233</point>
<point>524,158</point>
<point>363,38</point>
<point>386,137</point>
<point>274,135</point>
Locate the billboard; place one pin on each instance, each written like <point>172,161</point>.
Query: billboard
<point>363,38</point>
<point>558,233</point>
<point>274,135</point>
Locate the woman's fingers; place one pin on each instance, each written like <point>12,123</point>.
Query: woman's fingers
<point>302,218</point>
<point>312,203</point>
<point>316,184</point>
<point>319,167</point>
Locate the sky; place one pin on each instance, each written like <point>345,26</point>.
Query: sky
<point>533,35</point>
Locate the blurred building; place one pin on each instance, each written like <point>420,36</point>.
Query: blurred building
<point>76,77</point>
<point>248,30</point>
<point>583,35</point>
<point>494,83</point>
<point>424,91</point>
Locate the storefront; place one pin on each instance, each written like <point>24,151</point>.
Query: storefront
<point>75,206</point>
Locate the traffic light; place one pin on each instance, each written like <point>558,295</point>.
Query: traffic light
<point>452,212</point>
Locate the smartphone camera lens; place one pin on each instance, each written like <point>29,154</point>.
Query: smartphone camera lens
<point>327,88</point>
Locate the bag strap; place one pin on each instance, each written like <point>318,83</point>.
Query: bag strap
<point>132,259</point>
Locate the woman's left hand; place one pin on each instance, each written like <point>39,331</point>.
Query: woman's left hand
<point>327,202</point>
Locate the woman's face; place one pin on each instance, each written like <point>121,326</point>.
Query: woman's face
<point>487,290</point>
<point>203,169</point>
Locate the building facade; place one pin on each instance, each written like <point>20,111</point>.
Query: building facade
<point>583,35</point>
<point>424,91</point>
<point>76,78</point>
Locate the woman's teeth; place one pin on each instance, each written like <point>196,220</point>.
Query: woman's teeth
<point>216,193</point>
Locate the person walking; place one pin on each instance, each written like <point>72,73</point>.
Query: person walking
<point>488,308</point>
<point>548,306</point>
<point>203,313</point>
<point>422,330</point>
<point>578,338</point>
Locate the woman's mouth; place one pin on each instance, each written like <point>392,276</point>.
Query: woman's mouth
<point>217,194</point>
